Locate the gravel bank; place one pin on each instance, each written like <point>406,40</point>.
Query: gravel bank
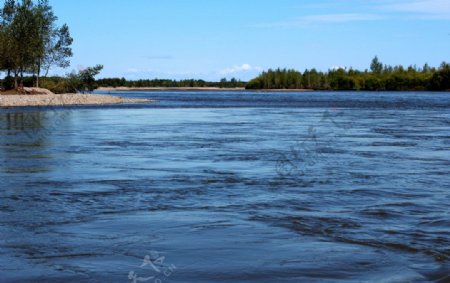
<point>63,100</point>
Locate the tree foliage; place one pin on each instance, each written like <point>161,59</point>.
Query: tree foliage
<point>30,41</point>
<point>441,79</point>
<point>85,81</point>
<point>376,66</point>
<point>122,82</point>
<point>379,78</point>
<point>277,79</point>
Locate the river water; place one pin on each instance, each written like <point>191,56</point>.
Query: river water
<point>228,187</point>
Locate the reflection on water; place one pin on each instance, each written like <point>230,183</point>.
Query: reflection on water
<point>225,187</point>
<point>27,139</point>
<point>34,125</point>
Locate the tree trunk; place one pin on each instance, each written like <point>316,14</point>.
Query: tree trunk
<point>38,73</point>
<point>21,80</point>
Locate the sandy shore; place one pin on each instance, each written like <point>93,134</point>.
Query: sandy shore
<point>63,100</point>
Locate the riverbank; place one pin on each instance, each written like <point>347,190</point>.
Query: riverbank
<point>18,100</point>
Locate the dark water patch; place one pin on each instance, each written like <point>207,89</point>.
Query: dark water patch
<point>399,144</point>
<point>222,181</point>
<point>382,213</point>
<point>238,158</point>
<point>330,150</point>
<point>436,223</point>
<point>26,170</point>
<point>123,144</point>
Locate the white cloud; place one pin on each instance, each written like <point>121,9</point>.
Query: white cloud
<point>431,9</point>
<point>244,68</point>
<point>132,71</point>
<point>341,18</point>
<point>373,10</point>
<point>323,19</point>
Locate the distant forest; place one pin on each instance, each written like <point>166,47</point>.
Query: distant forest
<point>122,82</point>
<point>380,77</point>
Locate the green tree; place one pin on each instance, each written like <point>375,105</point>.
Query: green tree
<point>30,39</point>
<point>25,45</point>
<point>55,42</point>
<point>7,49</point>
<point>276,79</point>
<point>84,81</point>
<point>441,79</point>
<point>59,50</point>
<point>376,66</point>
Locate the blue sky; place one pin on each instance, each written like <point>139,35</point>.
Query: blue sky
<point>211,39</point>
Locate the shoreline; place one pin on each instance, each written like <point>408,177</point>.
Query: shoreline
<point>197,89</point>
<point>188,89</point>
<point>43,100</point>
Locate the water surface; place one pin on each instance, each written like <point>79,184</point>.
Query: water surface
<point>228,187</point>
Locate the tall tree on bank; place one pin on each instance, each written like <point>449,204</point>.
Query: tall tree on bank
<point>56,41</point>
<point>30,40</point>
<point>58,50</point>
<point>7,50</point>
<point>376,66</point>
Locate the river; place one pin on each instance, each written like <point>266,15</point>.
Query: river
<point>228,187</point>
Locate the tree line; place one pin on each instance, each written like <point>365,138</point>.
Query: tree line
<point>380,77</point>
<point>31,42</point>
<point>122,82</point>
